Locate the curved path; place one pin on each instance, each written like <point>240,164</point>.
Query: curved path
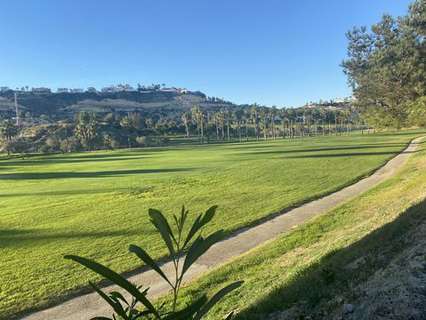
<point>90,305</point>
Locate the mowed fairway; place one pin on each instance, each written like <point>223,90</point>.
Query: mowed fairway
<point>95,204</point>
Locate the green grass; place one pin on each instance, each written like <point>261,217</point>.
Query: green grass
<point>95,204</point>
<point>313,266</point>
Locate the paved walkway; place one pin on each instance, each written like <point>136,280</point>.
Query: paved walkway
<point>91,305</point>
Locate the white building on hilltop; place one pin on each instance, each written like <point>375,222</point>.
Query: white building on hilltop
<point>41,90</point>
<point>125,87</point>
<point>77,90</point>
<point>109,89</point>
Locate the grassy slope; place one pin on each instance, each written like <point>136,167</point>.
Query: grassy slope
<point>95,204</point>
<point>321,265</point>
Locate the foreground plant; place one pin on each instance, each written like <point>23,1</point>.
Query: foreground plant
<point>184,252</point>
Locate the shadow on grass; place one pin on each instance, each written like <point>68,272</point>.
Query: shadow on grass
<point>398,133</point>
<point>336,273</point>
<point>87,192</point>
<point>96,174</point>
<point>10,238</point>
<point>55,160</point>
<point>336,147</point>
<point>349,154</point>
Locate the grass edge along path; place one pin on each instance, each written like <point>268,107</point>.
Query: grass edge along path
<point>313,265</point>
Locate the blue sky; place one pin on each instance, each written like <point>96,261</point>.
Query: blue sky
<point>274,52</point>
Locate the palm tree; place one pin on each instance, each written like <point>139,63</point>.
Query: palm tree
<point>255,118</point>
<point>216,124</point>
<point>238,115</point>
<point>228,115</point>
<point>284,122</point>
<point>264,121</point>
<point>221,123</point>
<point>198,116</point>
<point>186,117</point>
<point>246,119</point>
<point>86,128</point>
<point>273,114</point>
<point>9,130</point>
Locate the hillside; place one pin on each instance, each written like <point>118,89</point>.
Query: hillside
<point>66,104</point>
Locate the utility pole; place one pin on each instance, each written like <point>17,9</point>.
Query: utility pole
<point>16,109</point>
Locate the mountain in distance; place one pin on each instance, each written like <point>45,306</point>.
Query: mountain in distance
<point>64,104</point>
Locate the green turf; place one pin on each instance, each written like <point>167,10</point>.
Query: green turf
<point>313,266</point>
<point>95,204</point>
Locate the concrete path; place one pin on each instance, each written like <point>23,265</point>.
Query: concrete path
<point>90,305</point>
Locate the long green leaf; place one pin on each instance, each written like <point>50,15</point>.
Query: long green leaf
<point>161,224</point>
<point>118,296</point>
<point>115,305</point>
<point>216,298</point>
<point>199,222</point>
<point>146,258</point>
<point>199,247</point>
<point>188,312</point>
<point>184,215</point>
<point>194,229</point>
<point>208,215</point>
<point>116,279</point>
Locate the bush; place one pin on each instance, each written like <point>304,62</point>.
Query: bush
<point>44,148</point>
<point>151,141</point>
<point>115,144</point>
<point>184,249</point>
<point>70,144</point>
<point>53,143</point>
<point>417,112</point>
<point>110,142</point>
<point>142,141</point>
<point>17,146</point>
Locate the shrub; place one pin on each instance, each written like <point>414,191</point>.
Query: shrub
<point>70,144</point>
<point>151,141</point>
<point>44,148</point>
<point>18,146</point>
<point>142,141</point>
<point>53,143</point>
<point>417,112</point>
<point>115,144</point>
<point>184,249</point>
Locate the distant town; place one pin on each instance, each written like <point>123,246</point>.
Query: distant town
<point>109,89</point>
<point>331,104</point>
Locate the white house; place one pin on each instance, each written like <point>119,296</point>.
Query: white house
<point>174,90</point>
<point>109,89</point>
<point>41,90</point>
<point>124,87</point>
<point>77,90</point>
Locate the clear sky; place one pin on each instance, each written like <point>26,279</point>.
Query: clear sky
<point>274,52</point>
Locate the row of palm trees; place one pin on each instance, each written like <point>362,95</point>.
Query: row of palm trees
<point>258,122</point>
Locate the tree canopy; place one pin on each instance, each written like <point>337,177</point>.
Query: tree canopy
<point>386,67</point>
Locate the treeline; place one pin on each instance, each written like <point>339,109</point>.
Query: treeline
<point>386,68</point>
<point>257,122</point>
<point>93,131</point>
<point>89,131</point>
